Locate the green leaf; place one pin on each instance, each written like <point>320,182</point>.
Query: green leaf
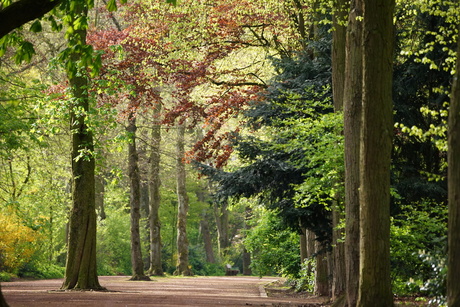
<point>24,53</point>
<point>112,5</point>
<point>36,26</point>
<point>173,2</point>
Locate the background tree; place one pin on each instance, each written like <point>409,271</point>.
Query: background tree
<point>182,267</point>
<point>352,103</point>
<point>134,202</point>
<point>155,197</point>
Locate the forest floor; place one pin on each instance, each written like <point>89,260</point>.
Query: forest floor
<point>163,291</point>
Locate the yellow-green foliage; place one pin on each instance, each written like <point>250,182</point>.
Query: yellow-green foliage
<point>16,241</point>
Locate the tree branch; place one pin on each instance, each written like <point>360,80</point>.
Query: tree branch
<point>264,85</point>
<point>23,11</point>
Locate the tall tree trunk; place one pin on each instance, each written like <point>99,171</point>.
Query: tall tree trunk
<point>376,146</point>
<point>182,267</point>
<point>453,159</point>
<point>221,215</point>
<point>204,224</point>
<point>352,128</point>
<point>156,268</point>
<point>338,82</point>
<point>137,264</point>
<point>246,255</point>
<point>81,271</point>
<point>207,240</point>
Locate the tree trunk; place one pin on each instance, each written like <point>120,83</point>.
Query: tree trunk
<point>204,225</point>
<point>182,267</point>
<point>221,215</point>
<point>207,240</point>
<point>2,299</point>
<point>137,264</point>
<point>376,145</point>
<point>81,271</point>
<point>156,267</point>
<point>303,244</point>
<point>338,52</point>
<point>246,255</point>
<point>338,81</point>
<point>100,190</point>
<point>352,128</point>
<point>338,254</point>
<point>321,276</point>
<point>310,238</point>
<point>453,159</point>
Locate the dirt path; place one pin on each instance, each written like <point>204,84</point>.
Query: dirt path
<point>187,291</point>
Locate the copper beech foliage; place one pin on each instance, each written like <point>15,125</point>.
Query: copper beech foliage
<point>162,53</point>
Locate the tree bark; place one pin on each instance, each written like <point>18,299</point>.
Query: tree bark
<point>81,271</point>
<point>204,225</point>
<point>156,267</point>
<point>352,128</point>
<point>100,190</point>
<point>310,238</point>
<point>246,254</point>
<point>338,82</point>
<point>207,240</point>
<point>137,263</point>
<point>221,215</point>
<point>376,146</point>
<point>453,160</point>
<point>303,244</point>
<point>23,11</point>
<point>182,267</point>
<point>321,277</point>
<point>338,52</point>
<point>338,257</point>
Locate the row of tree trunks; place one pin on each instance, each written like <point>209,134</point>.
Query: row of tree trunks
<point>366,65</point>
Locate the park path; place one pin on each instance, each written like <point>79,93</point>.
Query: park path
<point>184,291</point>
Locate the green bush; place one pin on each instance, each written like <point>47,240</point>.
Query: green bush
<point>418,235</point>
<point>274,249</point>
<point>306,279</point>
<point>41,271</point>
<point>5,276</point>
<point>113,237</point>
